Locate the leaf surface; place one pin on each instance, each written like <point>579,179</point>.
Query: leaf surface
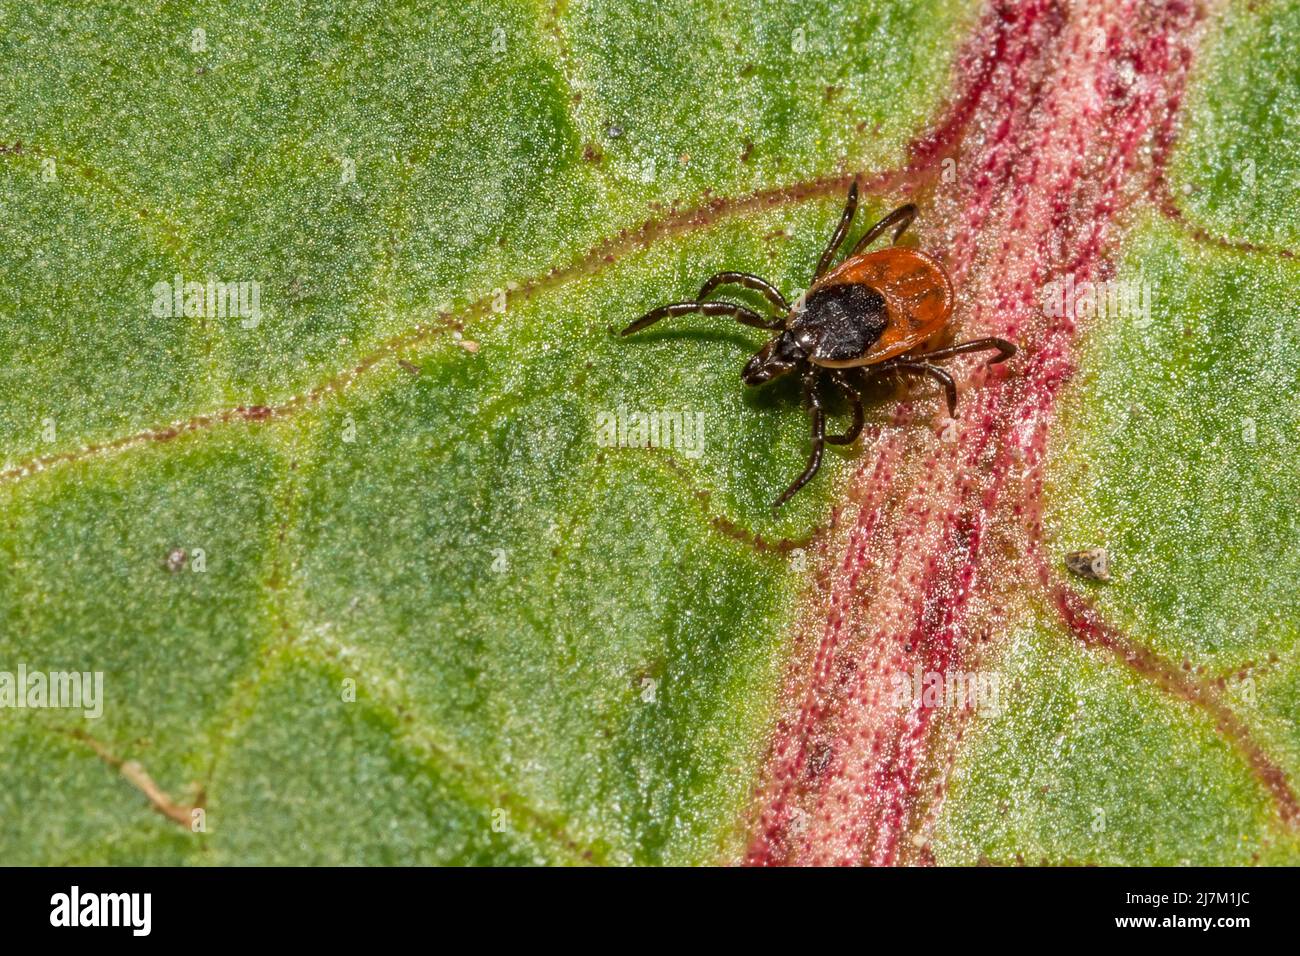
<point>438,617</point>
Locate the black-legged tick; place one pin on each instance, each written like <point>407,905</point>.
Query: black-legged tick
<point>867,316</point>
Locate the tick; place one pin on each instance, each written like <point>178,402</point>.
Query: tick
<point>871,314</point>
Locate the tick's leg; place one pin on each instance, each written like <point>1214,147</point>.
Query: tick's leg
<point>738,312</point>
<point>818,442</point>
<point>846,218</point>
<point>903,216</point>
<point>1005,350</point>
<point>936,373</point>
<point>855,429</point>
<point>770,291</point>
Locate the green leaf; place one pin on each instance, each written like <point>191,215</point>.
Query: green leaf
<point>367,582</point>
<point>1176,453</point>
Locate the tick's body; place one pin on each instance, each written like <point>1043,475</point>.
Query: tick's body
<point>872,307</point>
<point>866,316</point>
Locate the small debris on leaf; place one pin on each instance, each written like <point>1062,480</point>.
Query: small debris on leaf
<point>1091,563</point>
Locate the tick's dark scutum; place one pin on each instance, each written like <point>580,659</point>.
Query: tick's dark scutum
<point>842,321</point>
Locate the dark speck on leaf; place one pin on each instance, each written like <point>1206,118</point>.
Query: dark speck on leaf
<point>1093,563</point>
